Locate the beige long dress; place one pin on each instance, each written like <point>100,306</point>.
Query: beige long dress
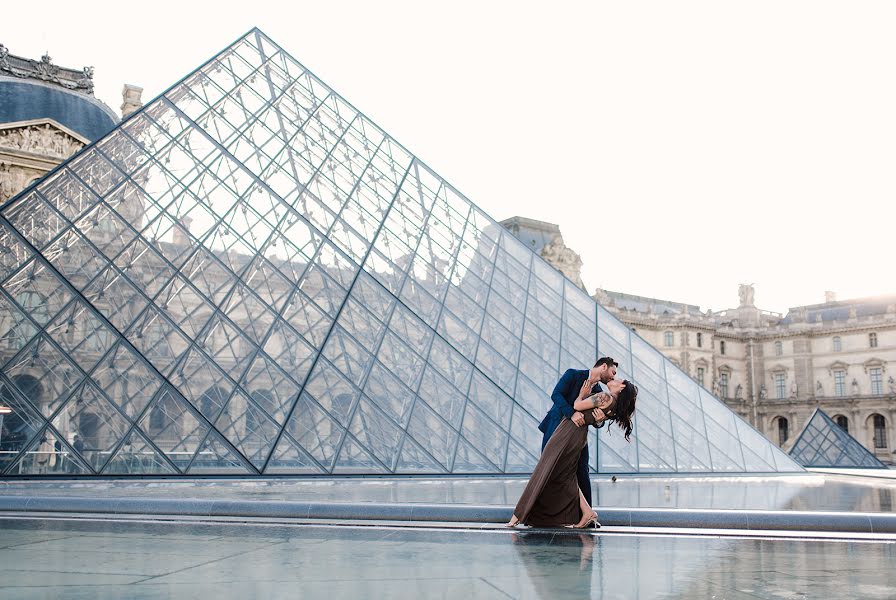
<point>551,498</point>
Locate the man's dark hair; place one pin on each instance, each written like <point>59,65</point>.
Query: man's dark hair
<point>606,360</point>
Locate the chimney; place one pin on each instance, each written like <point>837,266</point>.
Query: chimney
<point>830,296</point>
<point>131,101</point>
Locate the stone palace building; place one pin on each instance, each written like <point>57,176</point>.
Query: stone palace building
<point>772,369</point>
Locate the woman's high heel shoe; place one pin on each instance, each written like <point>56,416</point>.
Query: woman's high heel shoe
<point>513,522</point>
<point>591,522</point>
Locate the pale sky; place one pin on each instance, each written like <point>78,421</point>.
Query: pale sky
<point>683,147</point>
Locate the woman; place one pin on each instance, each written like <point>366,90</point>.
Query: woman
<point>552,497</point>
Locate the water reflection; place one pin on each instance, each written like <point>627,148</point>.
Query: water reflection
<point>557,565</point>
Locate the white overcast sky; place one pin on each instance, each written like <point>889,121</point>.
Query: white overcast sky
<point>683,147</point>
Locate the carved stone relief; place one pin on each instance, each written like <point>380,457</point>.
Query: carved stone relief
<point>564,260</point>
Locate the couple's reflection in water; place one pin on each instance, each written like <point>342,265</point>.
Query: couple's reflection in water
<point>558,564</point>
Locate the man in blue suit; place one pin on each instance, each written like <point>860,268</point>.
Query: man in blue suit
<point>564,396</point>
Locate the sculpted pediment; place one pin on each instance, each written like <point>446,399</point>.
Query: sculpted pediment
<point>42,137</point>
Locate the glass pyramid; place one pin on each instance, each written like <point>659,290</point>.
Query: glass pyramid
<point>823,443</point>
<point>249,276</point>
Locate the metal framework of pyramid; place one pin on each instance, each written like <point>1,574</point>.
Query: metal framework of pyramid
<point>248,276</point>
<point>823,443</point>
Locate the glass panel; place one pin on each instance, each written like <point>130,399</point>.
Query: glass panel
<point>48,454</point>
<point>377,432</point>
<point>18,427</point>
<point>414,459</point>
<point>38,292</point>
<point>354,458</point>
<point>442,397</point>
<point>289,457</point>
<point>248,428</point>
<point>43,375</point>
<point>270,388</point>
<point>332,390</point>
<point>173,428</point>
<point>137,457</point>
<point>290,351</point>
<point>91,425</point>
<point>401,360</point>
<point>215,457</point>
<point>318,434</point>
<point>432,433</point>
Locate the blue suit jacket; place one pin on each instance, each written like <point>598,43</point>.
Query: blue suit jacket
<point>564,396</point>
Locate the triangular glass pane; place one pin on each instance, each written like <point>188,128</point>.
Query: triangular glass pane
<point>432,433</point>
<point>376,431</point>
<point>486,435</point>
<point>18,426</point>
<point>315,431</point>
<point>353,458</point>
<point>48,454</point>
<point>248,428</point>
<point>173,428</point>
<point>127,380</point>
<point>16,330</point>
<point>288,457</point>
<point>92,426</point>
<point>136,456</point>
<point>43,375</point>
<point>216,457</point>
<point>519,460</point>
<point>469,460</point>
<point>414,459</point>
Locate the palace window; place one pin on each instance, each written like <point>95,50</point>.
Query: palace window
<point>880,431</point>
<point>782,431</point>
<point>872,340</point>
<point>838,346</point>
<point>877,381</point>
<point>699,340</point>
<point>780,380</point>
<point>779,348</point>
<point>701,376</point>
<point>669,338</point>
<point>722,347</point>
<point>839,382</point>
<point>843,422</point>
<point>723,385</point>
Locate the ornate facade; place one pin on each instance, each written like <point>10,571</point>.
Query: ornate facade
<point>48,114</point>
<point>774,369</point>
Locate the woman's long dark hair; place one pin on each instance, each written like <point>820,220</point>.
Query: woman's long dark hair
<point>625,408</point>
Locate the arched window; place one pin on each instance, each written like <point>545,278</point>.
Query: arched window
<point>156,419</point>
<point>872,340</point>
<point>212,401</point>
<point>838,345</point>
<point>843,422</point>
<point>669,338</point>
<point>783,430</point>
<point>880,431</point>
<point>779,348</point>
<point>722,347</point>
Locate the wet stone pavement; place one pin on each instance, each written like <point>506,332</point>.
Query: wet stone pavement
<point>110,559</point>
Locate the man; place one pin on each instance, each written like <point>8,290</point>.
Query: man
<point>564,396</point>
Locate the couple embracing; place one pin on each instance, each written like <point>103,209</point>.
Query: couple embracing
<point>559,490</point>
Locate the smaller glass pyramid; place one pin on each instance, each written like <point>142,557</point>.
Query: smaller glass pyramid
<point>823,443</point>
